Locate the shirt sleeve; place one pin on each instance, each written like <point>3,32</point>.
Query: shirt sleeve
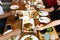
<point>56,7</point>
<point>1,10</point>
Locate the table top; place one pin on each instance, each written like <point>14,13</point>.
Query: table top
<point>18,24</point>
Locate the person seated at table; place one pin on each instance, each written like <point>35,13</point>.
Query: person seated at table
<point>8,35</point>
<point>3,18</point>
<point>52,24</point>
<point>55,13</point>
<point>49,5</point>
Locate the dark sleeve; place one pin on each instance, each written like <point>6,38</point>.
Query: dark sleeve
<point>55,7</point>
<point>49,3</point>
<point>55,15</point>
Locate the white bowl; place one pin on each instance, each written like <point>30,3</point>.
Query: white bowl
<point>44,19</point>
<point>14,7</point>
<point>44,13</point>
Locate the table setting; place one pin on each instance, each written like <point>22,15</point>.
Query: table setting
<point>31,21</point>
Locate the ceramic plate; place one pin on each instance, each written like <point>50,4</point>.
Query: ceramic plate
<point>32,36</point>
<point>7,32</point>
<point>44,19</point>
<point>44,13</point>
<point>39,5</point>
<point>14,7</point>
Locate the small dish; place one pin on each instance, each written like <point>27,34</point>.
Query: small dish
<point>14,7</point>
<point>44,19</point>
<point>39,6</point>
<point>44,13</point>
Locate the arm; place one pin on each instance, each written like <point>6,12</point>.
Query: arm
<point>52,24</point>
<point>6,36</point>
<point>4,15</point>
<point>7,14</point>
<point>47,9</point>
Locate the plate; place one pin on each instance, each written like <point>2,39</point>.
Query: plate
<point>39,6</point>
<point>14,7</point>
<point>32,36</point>
<point>44,13</point>
<point>44,19</point>
<point>7,31</point>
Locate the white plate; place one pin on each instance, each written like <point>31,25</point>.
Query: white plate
<point>32,36</point>
<point>14,7</point>
<point>44,19</point>
<point>44,13</point>
<point>39,5</point>
<point>7,32</point>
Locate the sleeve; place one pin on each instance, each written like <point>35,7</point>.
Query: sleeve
<point>1,11</point>
<point>56,7</point>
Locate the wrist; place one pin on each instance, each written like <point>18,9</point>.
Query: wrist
<point>43,9</point>
<point>12,33</point>
<point>9,14</point>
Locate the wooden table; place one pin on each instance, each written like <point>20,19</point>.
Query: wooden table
<point>18,23</point>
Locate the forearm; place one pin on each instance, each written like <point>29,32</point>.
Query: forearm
<point>49,9</point>
<point>6,36</point>
<point>52,24</point>
<point>4,15</point>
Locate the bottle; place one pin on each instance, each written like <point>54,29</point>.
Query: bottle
<point>17,16</point>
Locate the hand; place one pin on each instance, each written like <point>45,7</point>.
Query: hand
<point>16,32</point>
<point>13,13</point>
<point>42,9</point>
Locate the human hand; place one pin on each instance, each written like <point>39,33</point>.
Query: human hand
<point>13,13</point>
<point>16,32</point>
<point>42,9</point>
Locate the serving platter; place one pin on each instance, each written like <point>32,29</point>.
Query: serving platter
<point>27,24</point>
